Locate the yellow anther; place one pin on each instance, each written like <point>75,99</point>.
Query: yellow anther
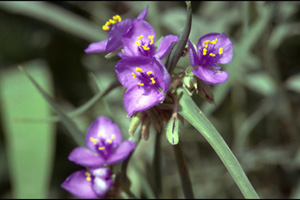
<point>206,41</point>
<point>101,148</point>
<point>109,141</point>
<point>141,84</point>
<point>151,37</point>
<point>94,140</point>
<point>150,72</point>
<point>113,136</point>
<point>220,50</point>
<point>214,41</point>
<point>145,47</point>
<point>140,37</point>
<point>117,18</point>
<point>151,42</point>
<point>204,51</point>
<point>105,28</point>
<point>138,69</point>
<point>88,176</point>
<point>134,76</point>
<point>205,45</point>
<point>112,21</point>
<point>87,173</point>
<point>212,55</point>
<point>152,79</point>
<point>108,23</point>
<point>100,134</point>
<point>137,43</point>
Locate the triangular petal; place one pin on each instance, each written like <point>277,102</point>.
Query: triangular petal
<point>96,47</point>
<point>210,76</point>
<point>166,45</point>
<point>101,186</point>
<point>139,98</point>
<point>84,157</point>
<point>103,127</point>
<point>78,185</point>
<point>192,54</point>
<point>143,14</point>
<point>122,152</point>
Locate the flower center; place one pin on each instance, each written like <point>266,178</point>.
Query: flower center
<point>108,25</point>
<point>145,45</point>
<point>210,52</point>
<point>105,146</point>
<point>145,78</point>
<point>88,176</point>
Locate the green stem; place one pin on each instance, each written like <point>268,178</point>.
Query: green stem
<point>183,171</point>
<point>156,167</point>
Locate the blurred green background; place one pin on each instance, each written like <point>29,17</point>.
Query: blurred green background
<point>257,110</point>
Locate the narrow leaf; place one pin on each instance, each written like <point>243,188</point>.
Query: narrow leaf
<point>172,131</point>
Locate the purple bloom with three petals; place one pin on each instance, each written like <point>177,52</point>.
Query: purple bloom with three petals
<point>116,28</point>
<point>146,80</point>
<point>90,184</point>
<point>104,140</point>
<point>212,49</point>
<point>140,41</point>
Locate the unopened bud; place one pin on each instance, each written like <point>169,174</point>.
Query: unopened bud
<point>134,123</point>
<point>145,128</point>
<point>205,91</point>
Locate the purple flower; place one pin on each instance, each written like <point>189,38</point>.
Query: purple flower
<point>212,49</point>
<point>90,184</point>
<point>104,140</point>
<point>116,28</point>
<point>146,80</point>
<point>140,41</point>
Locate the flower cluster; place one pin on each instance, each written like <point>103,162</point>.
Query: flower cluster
<point>140,69</point>
<point>105,147</point>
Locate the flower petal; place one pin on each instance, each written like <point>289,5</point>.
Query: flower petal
<point>103,127</point>
<point>84,157</point>
<point>166,45</point>
<point>193,55</point>
<point>210,76</point>
<point>141,98</point>
<point>78,185</point>
<point>143,14</point>
<point>164,78</point>
<point>115,35</point>
<point>139,27</point>
<point>96,47</point>
<point>122,152</point>
<point>101,172</point>
<point>222,42</point>
<point>101,186</point>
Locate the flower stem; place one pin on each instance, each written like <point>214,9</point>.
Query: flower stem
<point>156,167</point>
<point>183,171</point>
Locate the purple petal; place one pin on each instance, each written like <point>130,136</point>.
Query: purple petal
<point>101,172</point>
<point>193,55</point>
<point>96,47</point>
<point>122,152</point>
<point>138,28</point>
<point>143,14</point>
<point>78,185</point>
<point>141,98</point>
<point>115,35</point>
<point>101,186</point>
<point>165,45</point>
<point>222,42</point>
<point>103,127</point>
<point>84,157</point>
<point>210,76</point>
<point>164,78</point>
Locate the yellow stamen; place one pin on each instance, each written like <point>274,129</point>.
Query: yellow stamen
<point>214,41</point>
<point>152,79</point>
<point>145,47</point>
<point>150,72</point>
<point>94,140</point>
<point>112,21</point>
<point>212,55</point>
<point>117,18</point>
<point>108,23</point>
<point>137,43</point>
<point>113,136</point>
<point>100,134</point>
<point>206,41</point>
<point>204,51</point>
<point>105,28</point>
<point>151,38</point>
<point>109,141</point>
<point>206,45</point>
<point>134,76</point>
<point>220,50</point>
<point>140,37</point>
<point>138,69</point>
<point>88,176</point>
<point>141,84</point>
<point>101,148</point>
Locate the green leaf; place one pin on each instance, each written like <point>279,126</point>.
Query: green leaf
<point>172,131</point>
<point>29,147</point>
<point>75,133</point>
<point>195,117</point>
<point>293,83</point>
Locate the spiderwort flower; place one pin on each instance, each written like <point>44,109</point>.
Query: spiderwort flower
<point>212,49</point>
<point>116,28</point>
<point>146,80</point>
<point>104,140</point>
<point>140,41</point>
<point>89,184</point>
